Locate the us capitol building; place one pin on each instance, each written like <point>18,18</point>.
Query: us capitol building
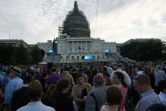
<point>75,43</point>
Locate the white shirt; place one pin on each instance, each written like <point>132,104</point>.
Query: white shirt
<point>126,76</point>
<point>35,106</point>
<point>162,97</point>
<point>140,72</point>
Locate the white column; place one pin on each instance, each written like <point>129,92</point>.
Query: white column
<point>77,47</point>
<point>67,46</point>
<point>72,46</point>
<point>81,46</point>
<point>86,46</point>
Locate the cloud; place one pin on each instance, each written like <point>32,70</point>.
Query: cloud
<point>116,20</point>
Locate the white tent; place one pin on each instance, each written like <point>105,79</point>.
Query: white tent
<point>42,63</point>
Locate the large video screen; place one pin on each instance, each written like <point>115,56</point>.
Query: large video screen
<point>108,50</point>
<point>88,57</point>
<point>51,51</point>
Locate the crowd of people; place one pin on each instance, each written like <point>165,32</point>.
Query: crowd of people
<point>93,86</point>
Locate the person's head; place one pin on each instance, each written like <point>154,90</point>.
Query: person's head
<point>50,89</point>
<point>141,83</point>
<point>27,79</point>
<point>3,69</point>
<point>62,87</point>
<point>159,67</point>
<point>113,95</point>
<point>139,68</point>
<point>152,70</point>
<point>58,68</point>
<point>35,91</point>
<point>104,69</point>
<point>162,86</point>
<point>146,71</point>
<point>53,69</point>
<point>44,75</point>
<point>85,78</point>
<point>15,71</point>
<point>118,78</point>
<point>37,70</point>
<point>156,107</point>
<point>134,71</point>
<point>32,73</point>
<point>98,80</point>
<point>64,73</point>
<point>120,66</point>
<point>80,79</point>
<point>87,68</point>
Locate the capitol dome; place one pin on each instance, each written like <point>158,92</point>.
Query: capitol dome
<point>76,23</point>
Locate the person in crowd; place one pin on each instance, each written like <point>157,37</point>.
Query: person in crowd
<point>60,98</point>
<point>80,91</point>
<point>52,79</point>
<point>164,67</point>
<point>75,74</point>
<point>46,100</point>
<point>146,70</point>
<point>44,69</point>
<point>96,97</point>
<point>5,80</point>
<point>156,107</point>
<point>94,72</point>
<point>142,85</point>
<point>140,71</point>
<point>86,78</point>
<point>20,97</point>
<point>1,77</point>
<point>162,94</point>
<point>14,84</point>
<point>159,75</point>
<point>1,96</point>
<point>37,75</point>
<point>118,79</point>
<point>120,68</point>
<point>109,69</point>
<point>106,76</point>
<point>151,76</point>
<point>129,71</point>
<point>134,93</point>
<point>34,93</point>
<point>58,70</point>
<point>88,73</point>
<point>32,73</point>
<point>113,99</point>
<point>43,81</point>
<point>66,75</point>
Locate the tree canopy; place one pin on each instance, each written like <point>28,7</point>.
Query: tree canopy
<point>150,50</point>
<point>10,54</point>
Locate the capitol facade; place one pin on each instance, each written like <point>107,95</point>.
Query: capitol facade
<point>74,42</point>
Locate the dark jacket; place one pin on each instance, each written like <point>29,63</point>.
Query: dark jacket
<point>64,103</point>
<point>20,98</point>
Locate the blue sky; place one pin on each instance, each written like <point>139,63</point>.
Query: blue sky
<point>116,21</point>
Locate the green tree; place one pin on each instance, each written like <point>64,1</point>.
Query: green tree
<point>129,50</point>
<point>150,50</point>
<point>36,55</point>
<point>6,53</point>
<point>21,55</point>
